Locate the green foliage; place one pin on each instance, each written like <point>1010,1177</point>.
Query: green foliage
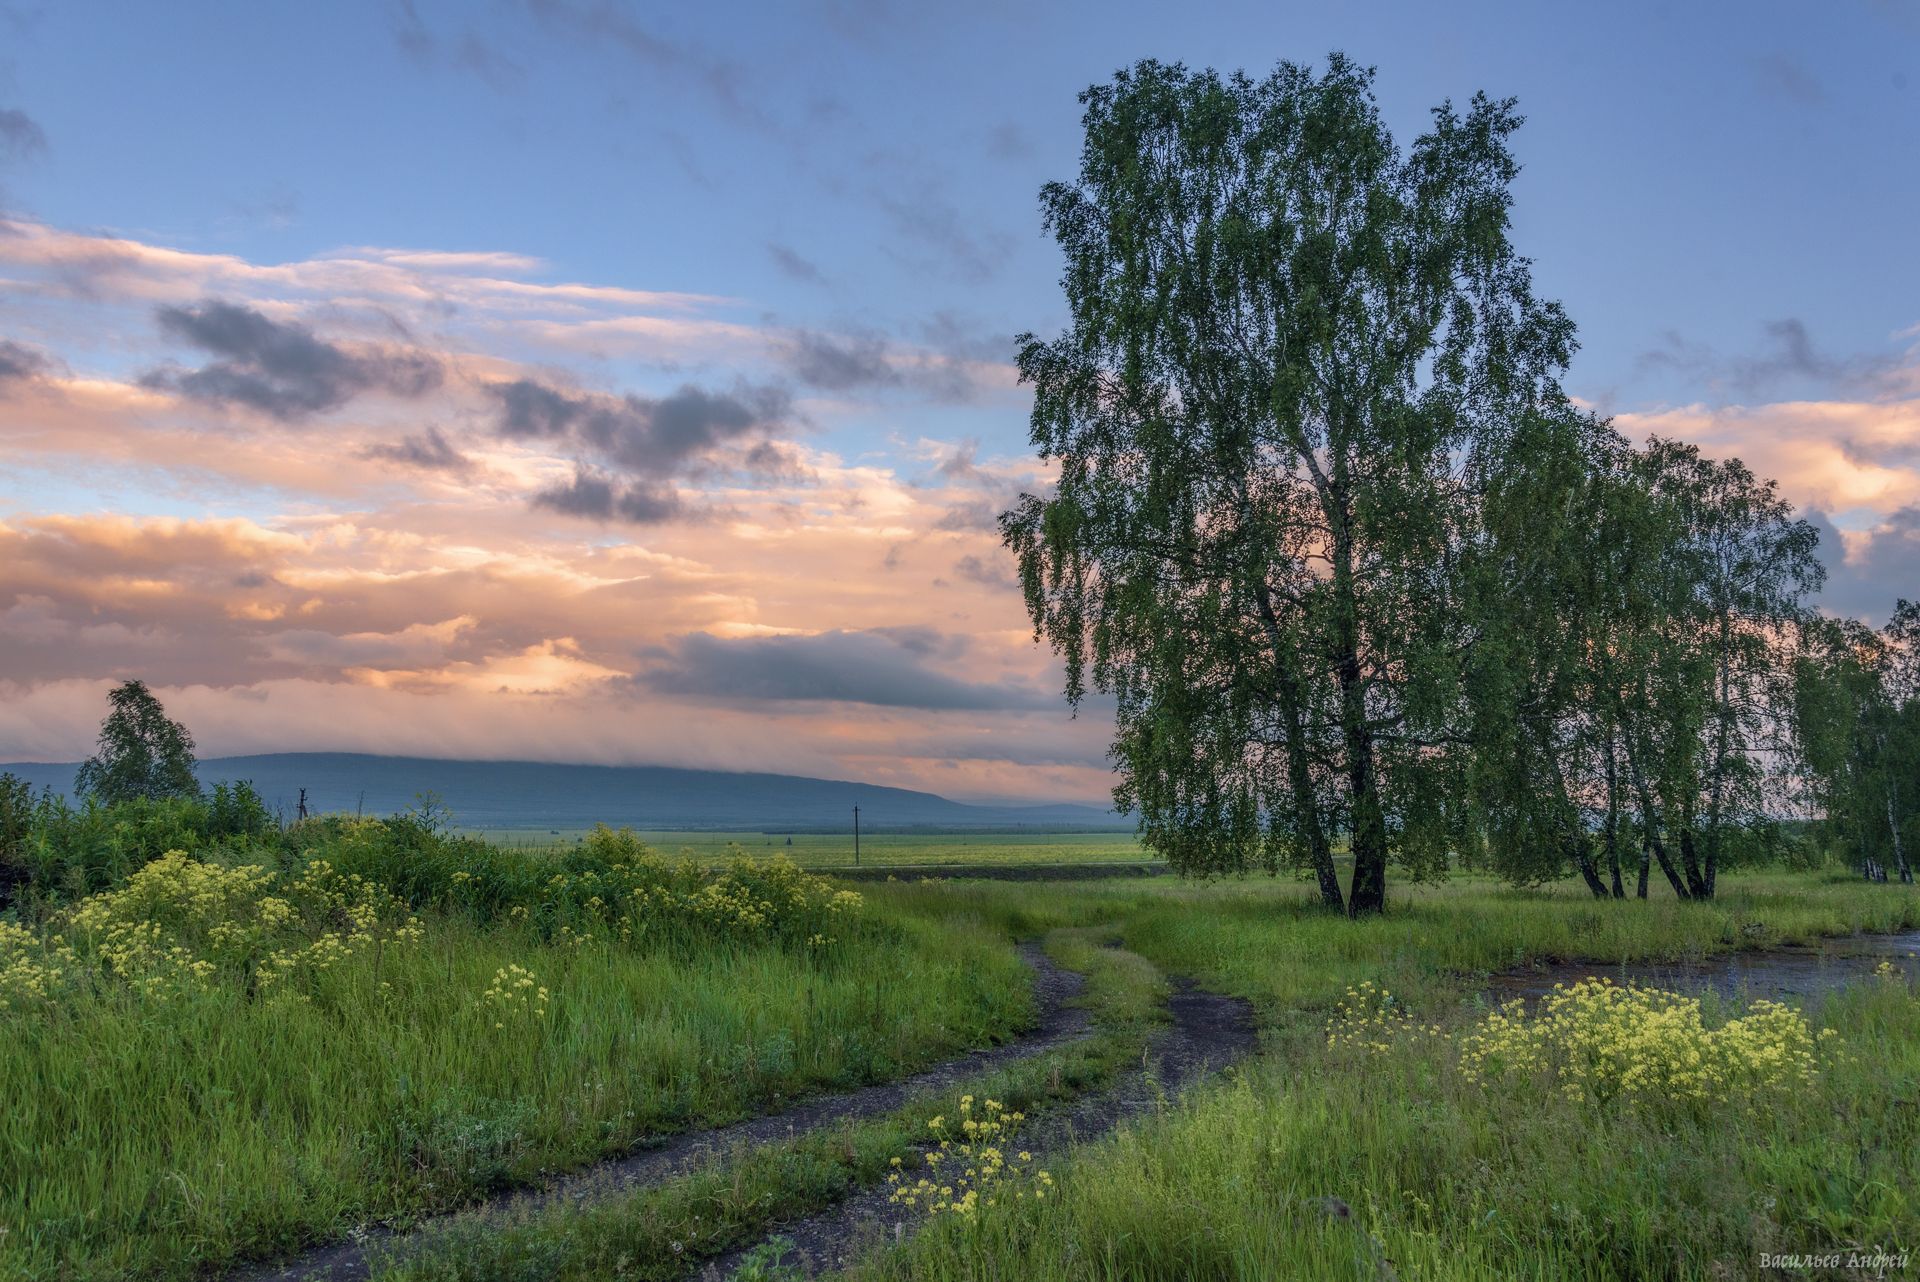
<point>217,1058</point>
<point>1857,713</point>
<point>53,852</point>
<point>16,826</point>
<point>1629,694</point>
<point>1290,1172</point>
<point>1330,533</point>
<point>1297,354</point>
<point>142,755</point>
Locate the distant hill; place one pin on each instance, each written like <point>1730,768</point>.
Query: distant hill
<point>537,794</point>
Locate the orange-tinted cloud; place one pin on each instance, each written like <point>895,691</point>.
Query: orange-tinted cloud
<point>309,547</point>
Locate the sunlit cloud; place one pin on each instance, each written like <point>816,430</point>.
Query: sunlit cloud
<point>381,500</point>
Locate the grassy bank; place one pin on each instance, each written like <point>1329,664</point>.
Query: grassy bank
<point>249,1076</point>
<point>1342,1164</point>
<point>224,1059</point>
<point>1324,1161</point>
<point>660,1233</point>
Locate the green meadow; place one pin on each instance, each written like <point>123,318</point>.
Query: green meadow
<point>882,849</point>
<point>265,1043</point>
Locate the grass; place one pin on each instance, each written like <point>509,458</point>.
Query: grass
<point>1442,1178</point>
<point>1318,1165</point>
<point>168,1135</point>
<point>659,1233</point>
<point>886,849</point>
<point>159,1135</point>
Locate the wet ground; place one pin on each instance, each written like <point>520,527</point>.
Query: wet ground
<point>1800,974</point>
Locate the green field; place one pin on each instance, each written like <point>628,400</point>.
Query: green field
<point>835,850</point>
<point>300,1033</point>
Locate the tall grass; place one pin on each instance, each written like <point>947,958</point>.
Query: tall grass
<point>1301,1170</point>
<point>158,1133</point>
<point>1270,941</point>
<point>1311,1165</point>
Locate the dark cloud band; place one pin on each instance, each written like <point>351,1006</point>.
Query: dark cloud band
<point>283,369</point>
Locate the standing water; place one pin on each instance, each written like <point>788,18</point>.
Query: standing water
<point>1800,973</point>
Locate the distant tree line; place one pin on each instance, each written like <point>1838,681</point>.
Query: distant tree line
<point>1356,570</point>
<point>1857,704</point>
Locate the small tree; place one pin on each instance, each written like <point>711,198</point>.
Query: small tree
<point>143,754</point>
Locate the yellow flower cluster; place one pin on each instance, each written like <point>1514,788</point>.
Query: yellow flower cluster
<point>31,968</point>
<point>970,1168</point>
<point>351,914</point>
<point>516,993</point>
<point>180,923</point>
<point>635,894</point>
<point>1597,1041</point>
<point>1371,1019</point>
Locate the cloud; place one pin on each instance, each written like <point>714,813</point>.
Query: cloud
<point>20,363</point>
<point>844,667</point>
<point>326,619</point>
<point>641,434</point>
<point>1790,354</point>
<point>282,369</point>
<point>1869,570</point>
<point>965,249</point>
<point>21,138</point>
<point>633,447</point>
<point>964,340</point>
<point>592,495</point>
<point>995,573</point>
<point>52,261</point>
<point>1836,456</point>
<point>777,461</point>
<point>962,465</point>
<point>980,516</point>
<point>1008,141</point>
<point>1780,75</point>
<point>429,451</point>
<point>604,26</point>
<point>20,135</point>
<point>854,362</point>
<point>468,53</point>
<point>837,363</point>
<point>793,265</point>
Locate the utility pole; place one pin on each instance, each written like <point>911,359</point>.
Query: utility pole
<point>856,836</point>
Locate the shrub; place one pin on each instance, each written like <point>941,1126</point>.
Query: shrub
<point>54,852</point>
<point>180,922</point>
<point>613,887</point>
<point>1598,1041</point>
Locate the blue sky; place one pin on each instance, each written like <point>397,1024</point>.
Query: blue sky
<point>1693,171</point>
<point>807,233</point>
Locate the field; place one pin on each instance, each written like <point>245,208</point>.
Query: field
<point>882,849</point>
<point>215,1064</point>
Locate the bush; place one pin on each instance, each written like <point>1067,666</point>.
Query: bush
<point>53,852</point>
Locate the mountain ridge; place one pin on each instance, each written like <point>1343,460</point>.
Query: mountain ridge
<point>541,794</point>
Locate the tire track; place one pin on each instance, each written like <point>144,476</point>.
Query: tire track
<point>1209,1031</point>
<point>350,1259</point>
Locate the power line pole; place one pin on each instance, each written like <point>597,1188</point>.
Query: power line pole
<point>856,836</point>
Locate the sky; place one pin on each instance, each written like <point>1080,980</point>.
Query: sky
<point>581,381</point>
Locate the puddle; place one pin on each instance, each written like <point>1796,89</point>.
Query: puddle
<point>1800,974</point>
